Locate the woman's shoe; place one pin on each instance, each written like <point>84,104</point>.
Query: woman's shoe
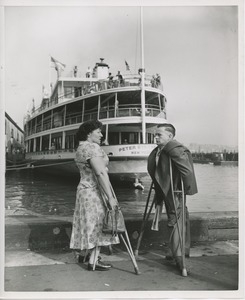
<point>82,260</point>
<point>99,266</point>
<point>104,264</point>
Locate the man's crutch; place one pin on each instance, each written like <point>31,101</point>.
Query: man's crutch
<point>181,234</point>
<point>145,219</point>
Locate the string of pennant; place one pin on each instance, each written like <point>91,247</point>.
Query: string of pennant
<point>60,65</point>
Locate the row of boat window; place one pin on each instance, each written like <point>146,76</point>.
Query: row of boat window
<point>59,119</point>
<point>54,141</point>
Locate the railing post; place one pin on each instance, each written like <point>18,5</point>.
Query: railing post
<point>63,139</point>
<point>98,116</point>
<point>83,110</point>
<point>51,119</point>
<point>49,146</point>
<point>36,125</point>
<point>64,118</point>
<point>116,106</point>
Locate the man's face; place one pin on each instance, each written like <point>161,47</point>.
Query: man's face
<point>162,136</point>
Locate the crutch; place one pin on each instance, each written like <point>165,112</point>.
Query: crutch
<point>145,219</point>
<point>130,251</point>
<point>184,226</point>
<point>181,235</point>
<point>127,243</point>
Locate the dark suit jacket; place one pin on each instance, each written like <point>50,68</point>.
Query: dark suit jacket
<point>182,165</point>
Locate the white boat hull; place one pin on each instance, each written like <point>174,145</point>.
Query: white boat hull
<point>127,162</point>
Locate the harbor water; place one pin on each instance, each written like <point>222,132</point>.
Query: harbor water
<point>52,195</point>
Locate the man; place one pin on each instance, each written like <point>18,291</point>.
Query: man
<point>120,78</point>
<point>169,153</point>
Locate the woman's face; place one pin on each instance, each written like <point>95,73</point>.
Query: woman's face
<point>95,136</point>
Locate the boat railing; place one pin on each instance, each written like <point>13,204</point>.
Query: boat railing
<point>88,88</point>
<point>129,110</point>
<point>112,112</point>
<point>105,84</point>
<point>52,151</point>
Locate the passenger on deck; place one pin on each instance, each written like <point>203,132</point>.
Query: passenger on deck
<point>75,71</point>
<point>120,78</point>
<point>53,147</point>
<point>88,73</point>
<point>110,81</point>
<point>153,81</point>
<point>158,80</point>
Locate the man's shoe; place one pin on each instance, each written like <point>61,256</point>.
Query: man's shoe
<point>99,266</point>
<point>180,266</point>
<point>169,257</point>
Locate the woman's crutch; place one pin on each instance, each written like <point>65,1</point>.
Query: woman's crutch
<point>181,234</point>
<point>145,219</point>
<point>130,251</point>
<point>126,242</point>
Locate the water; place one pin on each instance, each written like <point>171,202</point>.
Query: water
<point>49,195</point>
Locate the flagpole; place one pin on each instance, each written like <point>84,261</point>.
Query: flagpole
<point>142,79</point>
<point>49,77</point>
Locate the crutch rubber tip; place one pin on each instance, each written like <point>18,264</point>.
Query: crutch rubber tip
<point>184,272</point>
<point>137,272</point>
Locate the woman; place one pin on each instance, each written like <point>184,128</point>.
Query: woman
<point>90,208</point>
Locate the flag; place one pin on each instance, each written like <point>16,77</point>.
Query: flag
<point>127,66</point>
<point>58,64</point>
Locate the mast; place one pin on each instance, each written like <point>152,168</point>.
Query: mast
<point>142,78</point>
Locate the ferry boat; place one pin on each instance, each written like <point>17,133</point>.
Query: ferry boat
<point>129,106</point>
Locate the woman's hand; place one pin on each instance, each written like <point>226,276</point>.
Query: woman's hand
<point>112,202</point>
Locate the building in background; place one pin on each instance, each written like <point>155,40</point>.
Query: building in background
<point>14,141</point>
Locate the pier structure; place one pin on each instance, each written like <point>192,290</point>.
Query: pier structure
<point>38,247</point>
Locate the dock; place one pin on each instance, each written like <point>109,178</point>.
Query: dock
<point>38,258</point>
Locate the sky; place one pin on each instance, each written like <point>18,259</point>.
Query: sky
<point>193,48</point>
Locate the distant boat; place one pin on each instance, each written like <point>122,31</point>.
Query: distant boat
<point>220,159</point>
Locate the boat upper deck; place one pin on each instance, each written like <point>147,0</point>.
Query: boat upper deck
<point>69,89</point>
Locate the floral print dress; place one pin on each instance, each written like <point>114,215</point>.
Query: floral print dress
<point>89,208</point>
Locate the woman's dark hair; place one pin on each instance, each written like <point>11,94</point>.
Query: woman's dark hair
<point>86,128</point>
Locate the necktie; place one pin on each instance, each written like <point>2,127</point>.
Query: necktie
<point>157,155</point>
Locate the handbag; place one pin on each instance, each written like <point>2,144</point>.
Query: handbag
<point>113,221</point>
